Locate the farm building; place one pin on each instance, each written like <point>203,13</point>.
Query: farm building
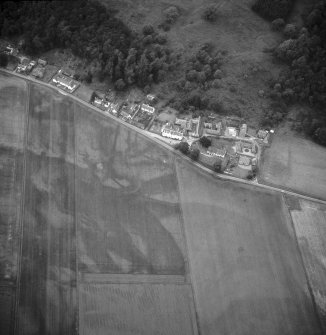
<point>64,81</point>
<point>243,130</point>
<point>147,108</point>
<point>231,132</point>
<point>212,128</point>
<point>170,132</point>
<point>190,126</point>
<point>213,151</point>
<point>42,62</point>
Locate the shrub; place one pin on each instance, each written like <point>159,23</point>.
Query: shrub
<point>210,13</point>
<point>278,24</point>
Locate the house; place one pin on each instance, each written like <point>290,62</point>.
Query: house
<point>244,160</point>
<point>212,128</point>
<point>231,132</point>
<point>147,108</point>
<point>64,81</point>
<point>38,72</point>
<point>262,134</point>
<point>98,101</point>
<point>22,67</point>
<point>246,148</point>
<point>190,126</point>
<point>42,62</point>
<point>243,130</point>
<point>151,98</point>
<point>213,151</point>
<point>170,132</point>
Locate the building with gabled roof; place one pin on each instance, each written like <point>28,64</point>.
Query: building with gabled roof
<point>243,130</point>
<point>147,108</point>
<point>213,151</point>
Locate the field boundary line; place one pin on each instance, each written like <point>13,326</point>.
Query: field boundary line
<point>193,306</point>
<point>22,208</point>
<point>312,296</point>
<point>147,135</point>
<point>76,223</point>
<point>109,278</point>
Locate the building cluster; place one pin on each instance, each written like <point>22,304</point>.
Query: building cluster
<point>189,127</point>
<point>64,82</point>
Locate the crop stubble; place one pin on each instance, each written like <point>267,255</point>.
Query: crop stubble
<point>48,275</point>
<point>13,98</point>
<point>245,268</point>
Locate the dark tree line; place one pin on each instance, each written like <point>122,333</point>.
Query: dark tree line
<point>273,9</point>
<point>305,79</point>
<point>92,32</point>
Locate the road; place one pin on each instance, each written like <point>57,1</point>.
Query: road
<point>154,138</point>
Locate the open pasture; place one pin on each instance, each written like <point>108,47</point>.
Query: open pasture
<point>295,162</point>
<point>144,309</point>
<point>245,267</point>
<point>309,220</point>
<point>131,223</point>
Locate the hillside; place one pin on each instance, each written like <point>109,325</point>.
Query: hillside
<point>238,32</point>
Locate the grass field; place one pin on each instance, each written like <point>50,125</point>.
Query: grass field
<point>296,163</point>
<point>309,220</point>
<point>13,99</point>
<point>136,309</point>
<point>245,268</point>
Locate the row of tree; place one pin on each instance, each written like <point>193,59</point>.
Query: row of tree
<point>304,81</point>
<point>273,9</point>
<point>94,34</point>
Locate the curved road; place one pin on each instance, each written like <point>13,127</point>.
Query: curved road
<point>155,139</point>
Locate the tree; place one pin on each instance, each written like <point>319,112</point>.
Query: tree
<point>171,14</point>
<point>3,60</point>
<point>210,13</point>
<point>194,154</point>
<point>278,24</point>
<point>320,135</point>
<point>120,84</point>
<point>218,165</point>
<point>205,142</point>
<point>183,147</point>
<point>89,77</point>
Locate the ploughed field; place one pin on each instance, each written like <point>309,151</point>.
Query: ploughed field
<point>103,231</point>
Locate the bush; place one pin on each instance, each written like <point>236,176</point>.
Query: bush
<point>205,142</point>
<point>210,13</point>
